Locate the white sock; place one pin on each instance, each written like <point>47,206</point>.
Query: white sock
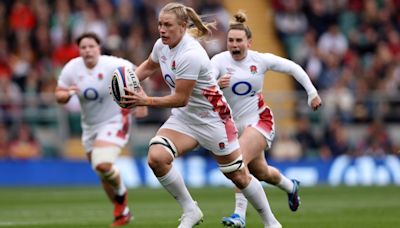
<point>254,192</point>
<point>240,204</point>
<point>121,189</point>
<point>173,183</point>
<point>285,184</point>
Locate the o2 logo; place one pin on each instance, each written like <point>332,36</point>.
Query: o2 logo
<point>243,88</point>
<point>168,79</point>
<point>90,94</point>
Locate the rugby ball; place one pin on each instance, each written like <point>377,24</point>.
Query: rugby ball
<point>123,77</point>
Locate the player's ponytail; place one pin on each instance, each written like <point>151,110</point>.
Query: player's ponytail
<point>201,29</point>
<point>184,13</point>
<point>239,23</point>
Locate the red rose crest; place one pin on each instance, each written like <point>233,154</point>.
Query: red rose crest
<point>221,145</point>
<point>173,66</point>
<point>253,69</point>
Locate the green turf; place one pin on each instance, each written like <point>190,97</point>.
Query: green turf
<point>322,207</point>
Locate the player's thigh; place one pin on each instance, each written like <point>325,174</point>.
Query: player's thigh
<point>228,158</point>
<point>180,135</point>
<point>182,141</point>
<point>252,144</point>
<point>219,137</point>
<point>108,134</point>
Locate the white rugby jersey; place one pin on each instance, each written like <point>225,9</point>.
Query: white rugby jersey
<point>97,105</point>
<point>244,94</point>
<point>189,60</point>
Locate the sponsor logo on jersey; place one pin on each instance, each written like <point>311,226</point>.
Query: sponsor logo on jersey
<point>253,69</point>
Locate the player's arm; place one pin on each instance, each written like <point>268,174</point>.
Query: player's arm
<point>183,90</point>
<point>64,94</point>
<point>287,66</point>
<point>222,80</point>
<point>151,65</point>
<point>147,69</point>
<point>66,87</point>
<point>187,72</point>
<point>139,98</point>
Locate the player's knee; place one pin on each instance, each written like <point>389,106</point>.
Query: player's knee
<point>233,166</point>
<point>109,175</point>
<point>155,159</point>
<point>166,144</point>
<point>240,178</point>
<point>235,172</point>
<point>103,167</point>
<point>162,152</point>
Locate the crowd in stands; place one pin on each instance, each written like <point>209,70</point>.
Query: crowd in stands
<point>350,49</point>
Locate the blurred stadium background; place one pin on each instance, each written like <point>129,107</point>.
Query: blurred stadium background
<point>349,48</point>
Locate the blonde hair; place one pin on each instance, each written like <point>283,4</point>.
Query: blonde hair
<point>239,23</point>
<point>184,13</point>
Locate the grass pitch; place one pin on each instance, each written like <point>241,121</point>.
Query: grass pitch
<point>322,207</point>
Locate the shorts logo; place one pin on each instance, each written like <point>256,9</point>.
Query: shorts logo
<point>221,145</point>
<point>253,69</point>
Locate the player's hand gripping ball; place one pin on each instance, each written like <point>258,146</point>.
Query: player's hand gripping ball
<point>124,77</point>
